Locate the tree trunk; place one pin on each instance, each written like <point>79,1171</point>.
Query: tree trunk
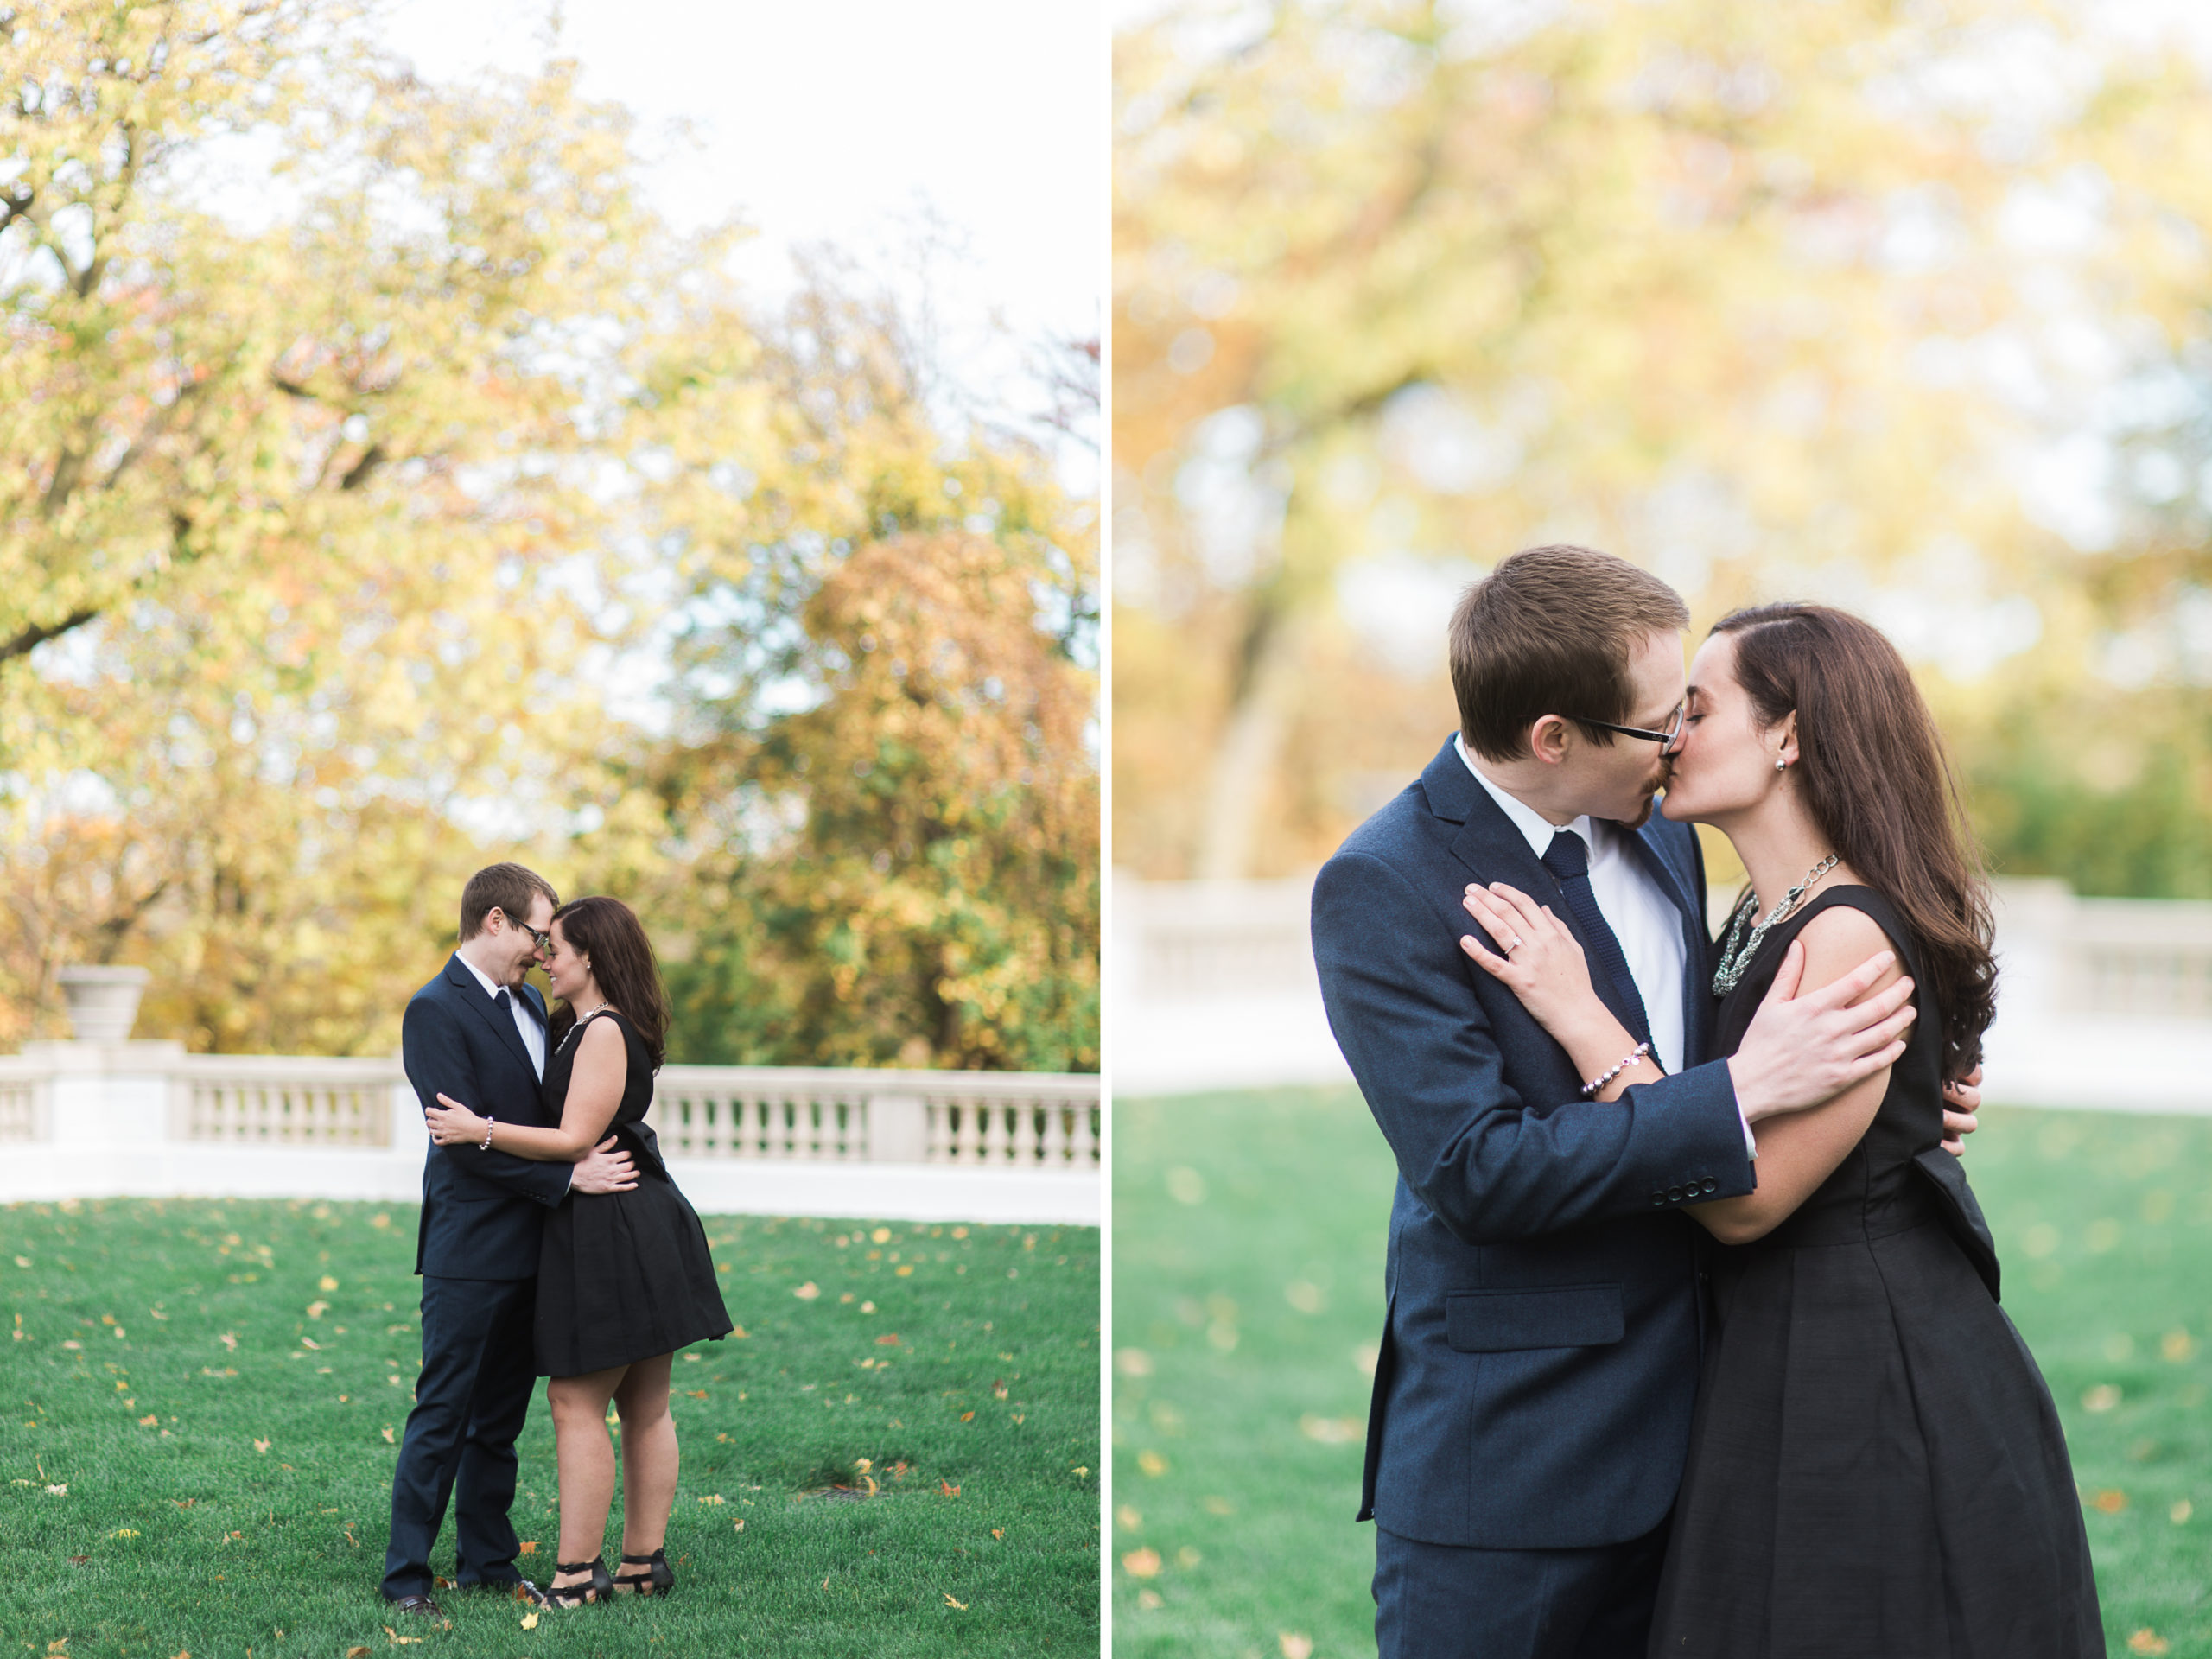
<point>1251,747</point>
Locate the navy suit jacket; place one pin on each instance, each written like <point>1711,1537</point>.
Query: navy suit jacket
<point>1540,1355</point>
<point>482,1211</point>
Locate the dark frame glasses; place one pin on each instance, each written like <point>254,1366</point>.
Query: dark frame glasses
<point>1665,740</point>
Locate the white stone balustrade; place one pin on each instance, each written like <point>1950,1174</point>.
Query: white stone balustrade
<point>145,1119</point>
<point>2102,1003</point>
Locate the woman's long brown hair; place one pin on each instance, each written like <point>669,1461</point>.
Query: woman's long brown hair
<point>607,933</point>
<point>1876,780</point>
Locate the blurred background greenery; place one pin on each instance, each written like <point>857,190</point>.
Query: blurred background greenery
<point>1902,307</point>
<point>388,486</point>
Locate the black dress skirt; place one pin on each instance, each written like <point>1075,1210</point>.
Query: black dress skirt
<point>1875,1466</point>
<point>622,1276</point>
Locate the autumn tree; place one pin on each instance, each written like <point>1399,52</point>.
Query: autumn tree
<point>908,869</point>
<point>340,494</point>
<point>1734,289</point>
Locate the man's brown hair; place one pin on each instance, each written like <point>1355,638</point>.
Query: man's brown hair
<point>1549,631</point>
<point>505,888</point>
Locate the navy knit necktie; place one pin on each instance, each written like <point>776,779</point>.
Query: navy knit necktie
<point>1568,860</point>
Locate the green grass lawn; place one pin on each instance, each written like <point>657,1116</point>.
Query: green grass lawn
<point>201,1401</point>
<point>1248,1272</point>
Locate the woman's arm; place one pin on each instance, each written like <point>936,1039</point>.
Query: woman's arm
<point>1541,962</point>
<point>1798,1150</point>
<point>602,1066</point>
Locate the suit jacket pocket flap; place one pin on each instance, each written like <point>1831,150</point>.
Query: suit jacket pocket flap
<point>1499,1321</point>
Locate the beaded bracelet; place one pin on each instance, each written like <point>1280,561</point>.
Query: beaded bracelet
<point>1590,1089</point>
<point>489,1122</point>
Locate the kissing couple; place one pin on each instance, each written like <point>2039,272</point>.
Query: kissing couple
<point>1693,1344</point>
<point>552,1244</point>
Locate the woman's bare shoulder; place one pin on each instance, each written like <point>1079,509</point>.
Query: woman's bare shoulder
<point>1837,940</point>
<point>600,1035</point>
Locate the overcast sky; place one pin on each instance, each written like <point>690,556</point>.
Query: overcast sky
<point>830,119</point>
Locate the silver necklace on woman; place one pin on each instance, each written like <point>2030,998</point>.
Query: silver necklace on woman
<point>577,1024</point>
<point>1735,960</point>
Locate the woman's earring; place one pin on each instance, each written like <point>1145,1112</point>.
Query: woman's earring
<point>1779,763</point>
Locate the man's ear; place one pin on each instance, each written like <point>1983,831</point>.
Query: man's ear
<point>1548,740</point>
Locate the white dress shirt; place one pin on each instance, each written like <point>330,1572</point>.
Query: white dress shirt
<point>533,1034</point>
<point>1643,918</point>
<point>1647,923</point>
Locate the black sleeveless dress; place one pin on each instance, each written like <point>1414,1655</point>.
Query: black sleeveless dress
<point>622,1276</point>
<point>1875,1466</point>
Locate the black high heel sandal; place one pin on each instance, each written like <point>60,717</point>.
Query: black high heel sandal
<point>599,1588</point>
<point>656,1580</point>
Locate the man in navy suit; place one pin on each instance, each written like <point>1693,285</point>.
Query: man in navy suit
<point>477,1033</point>
<point>1539,1355</point>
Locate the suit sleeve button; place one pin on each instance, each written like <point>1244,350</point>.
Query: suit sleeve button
<point>1674,1195</point>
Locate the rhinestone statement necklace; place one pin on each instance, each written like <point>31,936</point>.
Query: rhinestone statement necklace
<point>1737,953</point>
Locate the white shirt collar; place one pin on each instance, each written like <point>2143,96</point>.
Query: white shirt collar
<point>1533,825</point>
<point>482,978</point>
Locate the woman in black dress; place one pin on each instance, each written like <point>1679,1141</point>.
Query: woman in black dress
<point>1875,1464</point>
<point>623,1278</point>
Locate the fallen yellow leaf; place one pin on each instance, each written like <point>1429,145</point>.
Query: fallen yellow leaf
<point>1332,1431</point>
<point>530,1547</point>
<point>2146,1641</point>
<point>739,1527</point>
<point>261,1445</point>
<point>1152,1462</point>
<point>149,1422</point>
<point>1142,1563</point>
<point>530,1621</point>
<point>808,1292</point>
<point>962,1606</point>
<point>388,1441</point>
<point>2111,1503</point>
<point>1294,1644</point>
<point>326,1283</point>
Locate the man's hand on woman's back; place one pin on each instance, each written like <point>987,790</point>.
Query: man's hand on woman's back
<point>604,1169</point>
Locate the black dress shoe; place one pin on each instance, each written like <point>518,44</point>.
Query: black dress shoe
<point>418,1604</point>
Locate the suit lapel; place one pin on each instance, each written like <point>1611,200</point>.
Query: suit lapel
<point>1493,849</point>
<point>491,1012</point>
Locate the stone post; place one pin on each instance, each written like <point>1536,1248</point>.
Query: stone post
<point>898,1129</point>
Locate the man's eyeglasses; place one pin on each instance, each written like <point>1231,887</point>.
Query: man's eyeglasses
<point>539,942</point>
<point>1665,740</point>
